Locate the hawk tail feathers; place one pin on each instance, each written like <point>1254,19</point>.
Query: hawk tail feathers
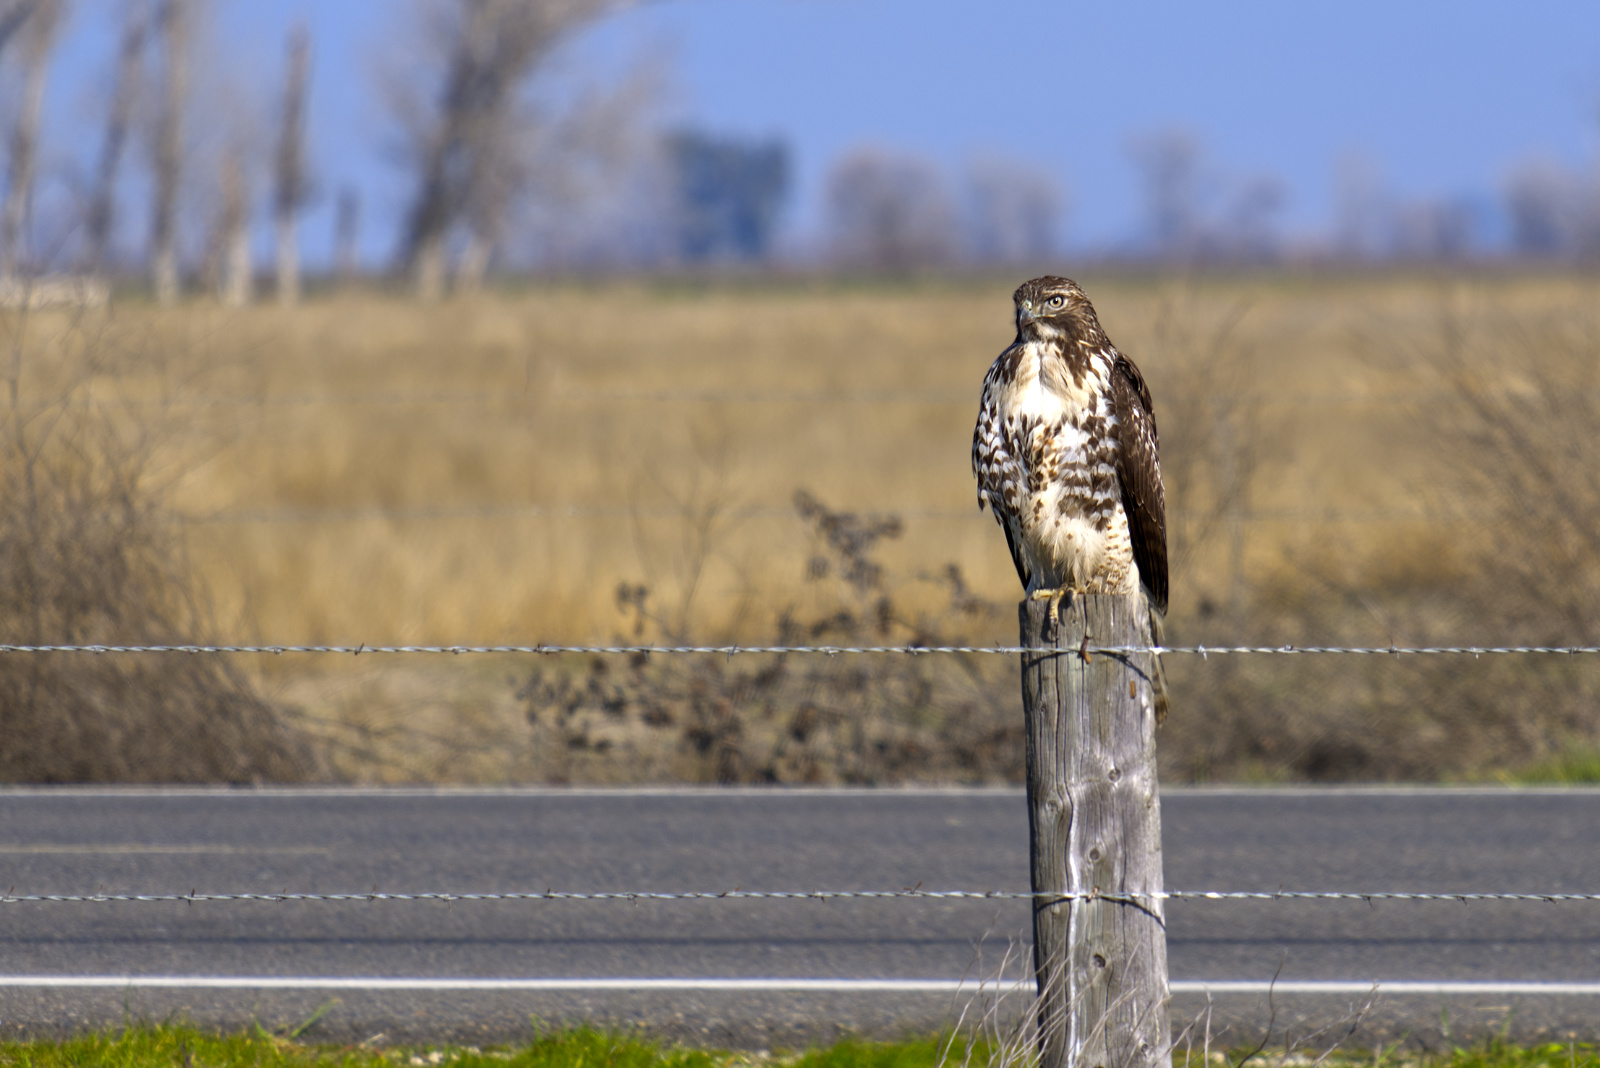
<point>1016,552</point>
<point>1158,674</point>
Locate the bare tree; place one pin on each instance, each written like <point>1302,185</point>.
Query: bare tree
<point>232,239</point>
<point>38,36</point>
<point>1361,207</point>
<point>1195,210</point>
<point>1014,211</point>
<point>1441,230</point>
<point>889,212</point>
<point>1545,203</point>
<point>1250,226</point>
<point>346,233</point>
<point>101,221</point>
<point>1515,423</point>
<point>493,176</point>
<point>290,192</point>
<point>596,182</point>
<point>464,146</point>
<point>172,27</point>
<point>14,14</point>
<point>1170,163</point>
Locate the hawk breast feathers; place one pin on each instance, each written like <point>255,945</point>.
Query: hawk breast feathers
<point>1066,453</point>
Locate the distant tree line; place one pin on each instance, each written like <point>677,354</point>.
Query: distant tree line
<point>505,172</point>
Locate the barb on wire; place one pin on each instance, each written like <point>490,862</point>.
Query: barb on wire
<point>826,650</point>
<point>11,897</point>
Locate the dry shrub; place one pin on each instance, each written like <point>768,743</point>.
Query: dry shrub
<point>1518,426</point>
<point>1508,404</point>
<point>1519,422</point>
<point>848,718</point>
<point>1213,438</point>
<point>88,557</point>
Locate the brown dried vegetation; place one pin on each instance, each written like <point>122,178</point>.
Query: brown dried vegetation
<point>1502,400</point>
<point>1377,461</point>
<point>789,718</point>
<point>87,556</point>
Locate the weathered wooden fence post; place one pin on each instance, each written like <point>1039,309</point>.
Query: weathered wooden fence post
<point>1095,817</point>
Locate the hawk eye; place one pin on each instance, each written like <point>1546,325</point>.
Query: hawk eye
<point>1057,300</point>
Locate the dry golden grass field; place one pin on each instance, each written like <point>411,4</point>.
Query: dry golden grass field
<point>1347,459</point>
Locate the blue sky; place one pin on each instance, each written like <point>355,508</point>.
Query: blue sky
<point>1443,98</point>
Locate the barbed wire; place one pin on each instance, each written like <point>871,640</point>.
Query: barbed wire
<point>1085,650</point>
<point>524,393</point>
<point>195,897</point>
<point>518,395</point>
<point>574,511</point>
<point>776,396</point>
<point>535,511</point>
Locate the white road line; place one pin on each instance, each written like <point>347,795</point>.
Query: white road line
<point>889,986</point>
<point>296,982</point>
<point>742,793</point>
<point>140,848</point>
<point>1386,986</point>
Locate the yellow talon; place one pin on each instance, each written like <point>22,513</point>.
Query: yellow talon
<point>1055,596</point>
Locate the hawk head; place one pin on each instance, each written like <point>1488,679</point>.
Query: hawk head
<point>1053,309</point>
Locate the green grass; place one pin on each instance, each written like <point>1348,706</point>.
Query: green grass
<point>856,1053</point>
<point>184,1046</point>
<point>172,1046</point>
<point>1491,1053</point>
<point>1575,767</point>
<point>1502,1055</point>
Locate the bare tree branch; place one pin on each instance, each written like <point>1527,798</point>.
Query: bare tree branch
<point>1013,211</point>
<point>346,233</point>
<point>173,26</point>
<point>466,163</point>
<point>39,33</point>
<point>1169,162</point>
<point>290,193</point>
<point>233,231</point>
<point>889,212</point>
<point>101,219</point>
<point>13,16</point>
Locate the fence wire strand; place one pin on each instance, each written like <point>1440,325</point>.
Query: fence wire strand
<point>577,511</point>
<point>12,898</point>
<point>1202,651</point>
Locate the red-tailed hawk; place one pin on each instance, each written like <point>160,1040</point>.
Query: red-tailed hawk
<point>1066,456</point>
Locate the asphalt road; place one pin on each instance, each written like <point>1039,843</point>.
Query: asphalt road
<point>755,973</point>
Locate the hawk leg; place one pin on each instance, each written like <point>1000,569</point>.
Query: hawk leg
<point>1055,596</point>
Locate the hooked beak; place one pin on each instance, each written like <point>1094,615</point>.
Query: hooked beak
<point>1025,313</point>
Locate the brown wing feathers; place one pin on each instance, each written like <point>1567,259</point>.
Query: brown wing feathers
<point>1139,470</point>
